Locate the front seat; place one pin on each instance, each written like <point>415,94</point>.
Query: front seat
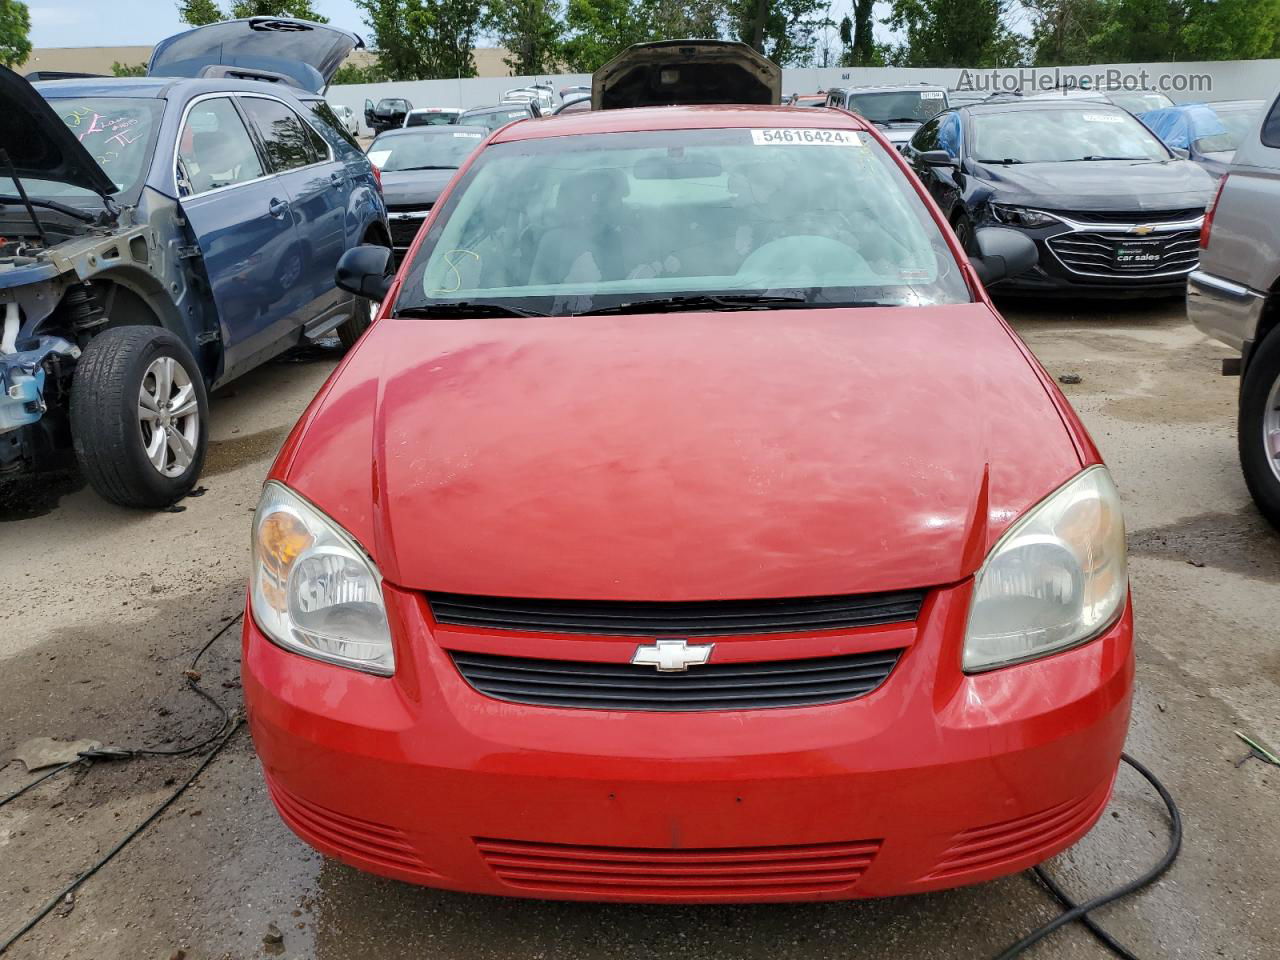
<point>584,243</point>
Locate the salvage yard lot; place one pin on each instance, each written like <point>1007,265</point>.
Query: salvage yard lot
<point>101,610</point>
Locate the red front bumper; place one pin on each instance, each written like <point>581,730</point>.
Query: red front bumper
<point>932,780</point>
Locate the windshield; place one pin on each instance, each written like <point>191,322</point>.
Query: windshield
<point>430,118</point>
<point>1239,123</point>
<point>601,221</point>
<point>494,119</point>
<point>916,105</point>
<point>391,106</point>
<point>118,132</point>
<point>1087,132</point>
<point>423,151</point>
<point>1139,101</point>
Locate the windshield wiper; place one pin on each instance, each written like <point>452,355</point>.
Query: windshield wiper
<point>1006,161</point>
<point>1095,156</point>
<point>749,301</point>
<point>466,308</point>
<point>52,205</point>
<point>902,120</point>
<point>424,167</point>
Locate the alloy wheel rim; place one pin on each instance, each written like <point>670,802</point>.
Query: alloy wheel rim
<point>1271,429</point>
<point>168,417</point>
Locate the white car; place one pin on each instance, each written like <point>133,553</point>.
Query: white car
<point>545,99</point>
<point>350,122</point>
<point>431,116</point>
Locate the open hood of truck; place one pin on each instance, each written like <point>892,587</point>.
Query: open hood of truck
<point>307,53</point>
<point>672,72</point>
<point>39,144</point>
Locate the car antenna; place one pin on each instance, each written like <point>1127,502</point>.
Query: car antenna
<point>22,192</point>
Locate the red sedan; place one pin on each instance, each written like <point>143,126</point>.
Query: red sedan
<point>689,527</point>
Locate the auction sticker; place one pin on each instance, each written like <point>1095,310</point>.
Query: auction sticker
<point>1102,118</point>
<point>806,136</point>
<point>930,94</point>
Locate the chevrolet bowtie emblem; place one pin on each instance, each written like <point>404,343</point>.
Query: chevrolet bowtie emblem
<point>672,655</point>
<point>1143,229</point>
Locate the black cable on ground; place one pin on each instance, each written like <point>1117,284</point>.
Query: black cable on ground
<point>74,884</point>
<point>1080,911</point>
<point>124,753</point>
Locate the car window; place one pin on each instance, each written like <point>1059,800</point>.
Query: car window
<point>1089,131</point>
<point>1238,124</point>
<point>1139,101</point>
<point>327,116</point>
<point>826,215</point>
<point>289,143</point>
<point>214,148</point>
<point>926,138</point>
<point>906,105</point>
<point>425,150</point>
<point>429,118</point>
<point>119,134</point>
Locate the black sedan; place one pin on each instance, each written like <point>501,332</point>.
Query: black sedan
<point>416,163</point>
<point>1111,209</point>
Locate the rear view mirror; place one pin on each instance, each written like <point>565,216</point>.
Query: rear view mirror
<point>366,271</point>
<point>672,167</point>
<point>936,158</point>
<point>1002,253</point>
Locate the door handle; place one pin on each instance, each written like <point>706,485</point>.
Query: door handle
<point>278,208</point>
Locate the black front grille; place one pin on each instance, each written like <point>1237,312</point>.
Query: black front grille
<point>403,232</point>
<point>714,686</point>
<point>1100,254</point>
<point>699,619</point>
<point>1131,216</point>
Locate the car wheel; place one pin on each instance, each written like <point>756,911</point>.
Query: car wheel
<point>963,227</point>
<point>1259,428</point>
<point>139,415</point>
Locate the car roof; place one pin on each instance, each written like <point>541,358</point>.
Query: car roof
<point>718,116</point>
<point>888,87</point>
<point>1229,104</point>
<point>1013,105</point>
<point>433,130</point>
<point>498,106</point>
<point>164,87</point>
<point>436,110</point>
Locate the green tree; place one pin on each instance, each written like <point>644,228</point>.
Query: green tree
<point>422,39</point>
<point>119,69</point>
<point>597,30</point>
<point>1230,30</point>
<point>955,33</point>
<point>351,73</point>
<point>200,12</point>
<point>785,31</point>
<point>15,29</point>
<point>531,30</point>
<point>862,49</point>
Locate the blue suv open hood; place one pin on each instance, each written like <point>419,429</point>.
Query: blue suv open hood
<point>40,145</point>
<point>307,53</point>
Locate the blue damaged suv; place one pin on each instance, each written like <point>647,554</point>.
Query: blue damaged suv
<point>160,236</point>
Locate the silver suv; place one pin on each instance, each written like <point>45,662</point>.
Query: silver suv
<point>1234,297</point>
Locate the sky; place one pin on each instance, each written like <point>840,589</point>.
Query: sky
<point>118,23</point>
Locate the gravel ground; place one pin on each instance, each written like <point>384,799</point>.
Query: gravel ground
<point>101,610</point>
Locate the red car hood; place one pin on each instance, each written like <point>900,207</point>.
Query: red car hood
<point>683,456</point>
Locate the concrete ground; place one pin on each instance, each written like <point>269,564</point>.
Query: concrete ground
<point>101,610</point>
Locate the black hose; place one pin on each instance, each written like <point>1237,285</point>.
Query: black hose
<point>41,779</point>
<point>1080,911</point>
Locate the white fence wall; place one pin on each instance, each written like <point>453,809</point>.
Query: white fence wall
<point>1203,80</point>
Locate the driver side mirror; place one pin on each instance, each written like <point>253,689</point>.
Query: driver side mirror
<point>366,271</point>
<point>1002,253</point>
<point>936,158</point>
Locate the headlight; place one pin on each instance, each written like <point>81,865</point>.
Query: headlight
<point>313,590</point>
<point>1058,577</point>
<point>1022,216</point>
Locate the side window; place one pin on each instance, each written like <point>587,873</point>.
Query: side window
<point>949,134</point>
<point>1271,126</point>
<point>214,149</point>
<point>287,140</point>
<point>328,117</point>
<point>926,137</point>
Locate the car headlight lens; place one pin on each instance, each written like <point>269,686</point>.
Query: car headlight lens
<point>1022,216</point>
<point>313,590</point>
<point>1058,577</point>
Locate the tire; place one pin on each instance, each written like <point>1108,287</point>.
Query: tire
<point>362,313</point>
<point>963,227</point>
<point>111,431</point>
<point>1259,428</point>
